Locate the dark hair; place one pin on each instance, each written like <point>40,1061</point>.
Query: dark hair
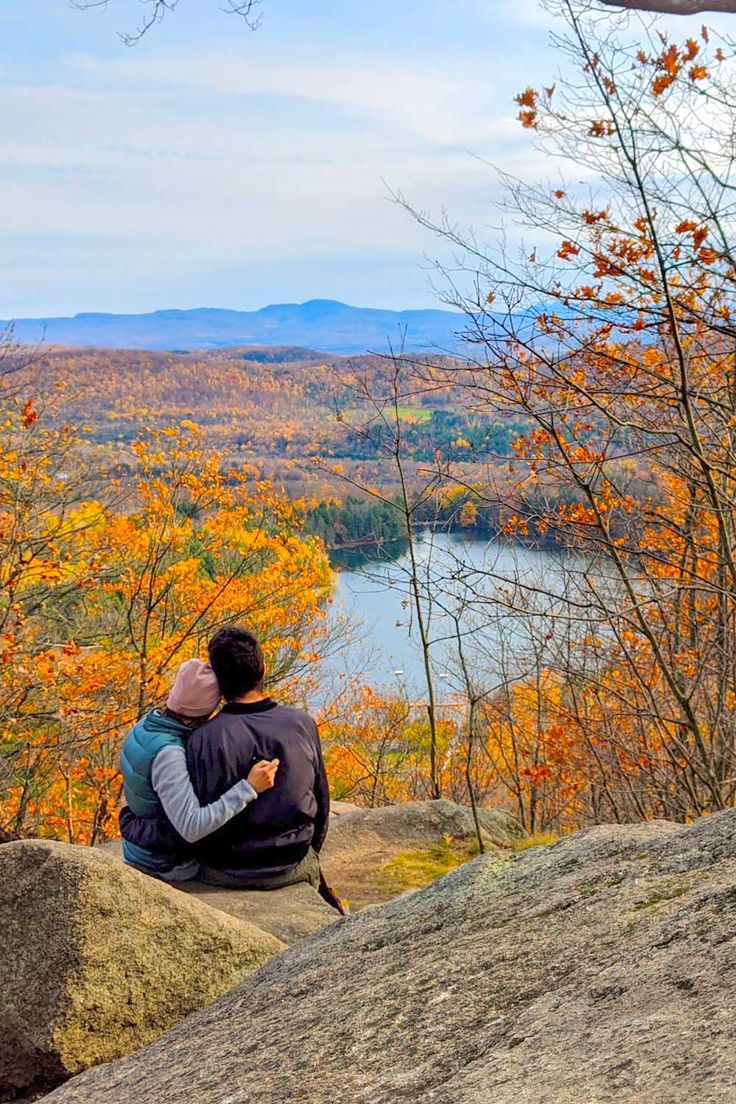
<point>237,660</point>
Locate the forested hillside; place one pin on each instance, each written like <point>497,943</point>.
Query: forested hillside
<point>290,416</point>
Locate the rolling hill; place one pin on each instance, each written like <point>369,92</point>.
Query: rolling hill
<point>319,324</point>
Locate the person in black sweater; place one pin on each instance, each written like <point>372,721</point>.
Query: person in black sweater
<point>276,840</point>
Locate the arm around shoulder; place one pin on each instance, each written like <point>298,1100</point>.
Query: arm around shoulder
<point>171,781</point>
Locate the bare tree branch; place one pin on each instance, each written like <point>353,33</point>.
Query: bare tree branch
<point>156,11</point>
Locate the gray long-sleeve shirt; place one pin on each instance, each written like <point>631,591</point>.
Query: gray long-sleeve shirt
<point>170,779</point>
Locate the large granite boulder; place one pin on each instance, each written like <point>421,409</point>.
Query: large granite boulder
<point>358,859</point>
<point>340,808</point>
<point>600,970</point>
<point>423,822</point>
<point>290,913</point>
<point>97,960</point>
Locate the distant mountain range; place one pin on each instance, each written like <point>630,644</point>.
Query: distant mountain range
<point>322,324</point>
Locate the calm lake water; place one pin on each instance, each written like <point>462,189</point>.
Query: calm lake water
<point>373,594</point>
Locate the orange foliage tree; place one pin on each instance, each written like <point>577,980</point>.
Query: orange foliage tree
<point>106,587</point>
<point>378,750</point>
<point>612,333</point>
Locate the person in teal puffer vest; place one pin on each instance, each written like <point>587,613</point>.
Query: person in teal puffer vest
<point>158,789</point>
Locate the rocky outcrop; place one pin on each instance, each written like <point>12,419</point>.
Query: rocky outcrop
<point>601,970</point>
<point>97,960</point>
<point>422,822</point>
<point>339,808</point>
<point>361,846</point>
<point>363,843</point>
<point>290,914</point>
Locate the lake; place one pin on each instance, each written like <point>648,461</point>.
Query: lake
<point>372,591</point>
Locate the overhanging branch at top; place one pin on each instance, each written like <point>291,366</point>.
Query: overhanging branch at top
<point>675,7</point>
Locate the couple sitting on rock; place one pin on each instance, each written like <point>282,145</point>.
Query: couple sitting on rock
<point>239,798</point>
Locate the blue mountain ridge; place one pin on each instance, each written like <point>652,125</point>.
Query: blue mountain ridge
<point>323,324</point>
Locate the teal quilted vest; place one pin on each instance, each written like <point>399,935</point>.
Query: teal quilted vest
<point>141,746</point>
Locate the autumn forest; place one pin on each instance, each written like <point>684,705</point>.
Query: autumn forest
<point>147,498</point>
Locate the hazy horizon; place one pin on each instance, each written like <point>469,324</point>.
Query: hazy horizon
<point>319,324</point>
<point>254,309</point>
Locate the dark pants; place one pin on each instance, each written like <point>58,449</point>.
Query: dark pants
<point>305,871</point>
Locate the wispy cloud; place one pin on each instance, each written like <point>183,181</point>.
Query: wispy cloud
<point>406,98</point>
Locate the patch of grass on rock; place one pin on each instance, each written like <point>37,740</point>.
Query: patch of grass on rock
<point>538,839</point>
<point>421,866</point>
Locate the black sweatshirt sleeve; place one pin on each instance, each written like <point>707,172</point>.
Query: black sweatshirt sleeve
<point>322,794</point>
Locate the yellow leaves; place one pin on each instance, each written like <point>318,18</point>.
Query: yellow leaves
<point>577,379</point>
<point>86,516</point>
<point>469,514</point>
<point>99,601</point>
<point>516,526</point>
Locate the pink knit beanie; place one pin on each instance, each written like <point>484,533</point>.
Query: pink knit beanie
<point>195,692</point>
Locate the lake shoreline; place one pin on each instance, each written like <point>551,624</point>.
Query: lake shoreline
<point>375,597</point>
<point>399,544</point>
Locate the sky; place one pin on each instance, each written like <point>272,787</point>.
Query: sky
<point>216,166</point>
<point>211,165</point>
